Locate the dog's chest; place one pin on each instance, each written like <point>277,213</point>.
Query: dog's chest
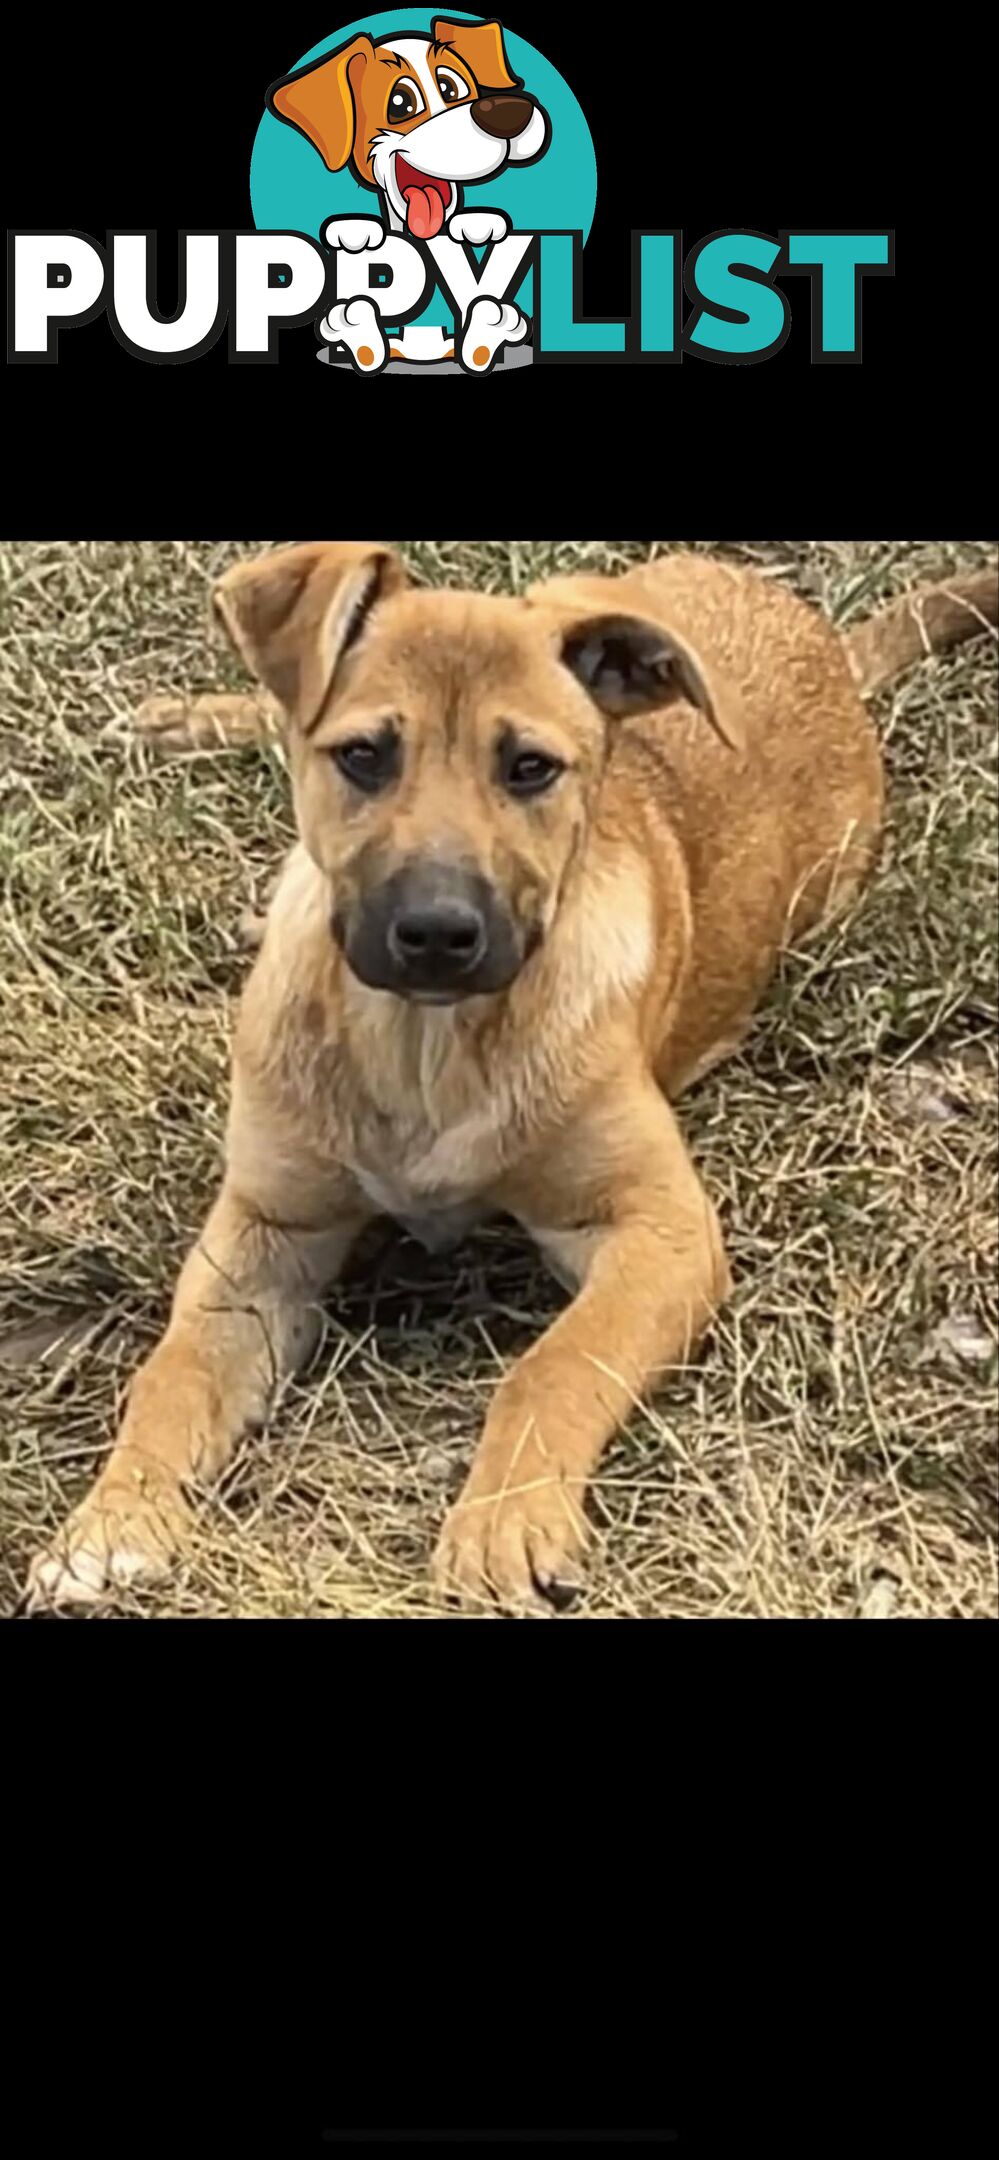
<point>425,1135</point>
<point>433,1185</point>
<point>436,1222</point>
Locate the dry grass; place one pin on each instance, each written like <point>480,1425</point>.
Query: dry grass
<point>833,1451</point>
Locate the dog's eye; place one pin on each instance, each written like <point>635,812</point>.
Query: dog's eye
<point>530,772</point>
<point>405,101</point>
<point>367,764</point>
<point>450,86</point>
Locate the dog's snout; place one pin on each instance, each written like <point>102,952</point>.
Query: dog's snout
<point>502,115</point>
<point>434,933</point>
<point>445,936</point>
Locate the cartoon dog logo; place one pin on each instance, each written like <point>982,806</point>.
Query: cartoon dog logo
<point>418,119</point>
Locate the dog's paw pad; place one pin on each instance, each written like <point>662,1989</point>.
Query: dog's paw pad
<point>355,324</point>
<point>489,325</point>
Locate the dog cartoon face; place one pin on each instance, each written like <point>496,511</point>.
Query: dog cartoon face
<point>416,117</point>
<point>445,748</point>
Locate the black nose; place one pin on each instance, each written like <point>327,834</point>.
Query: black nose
<point>441,938</point>
<point>503,116</point>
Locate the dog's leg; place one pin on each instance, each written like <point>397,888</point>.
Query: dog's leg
<point>479,227</point>
<point>489,326</point>
<point>353,234</point>
<point>618,1207</point>
<point>245,1315</point>
<point>356,325</point>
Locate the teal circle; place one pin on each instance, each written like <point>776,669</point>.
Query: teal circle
<point>291,190</point>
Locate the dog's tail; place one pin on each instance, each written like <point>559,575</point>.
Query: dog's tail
<point>927,620</point>
<point>220,720</point>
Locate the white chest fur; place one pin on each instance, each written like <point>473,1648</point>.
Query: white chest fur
<point>435,1184</point>
<point>427,1144</point>
<point>437,1224</point>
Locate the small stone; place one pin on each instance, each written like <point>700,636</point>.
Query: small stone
<point>436,1467</point>
<point>962,1336</point>
<point>916,1092</point>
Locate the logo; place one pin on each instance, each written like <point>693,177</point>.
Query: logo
<point>422,189</point>
<point>429,159</point>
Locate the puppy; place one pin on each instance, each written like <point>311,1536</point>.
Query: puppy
<point>550,848</point>
<point>417,119</point>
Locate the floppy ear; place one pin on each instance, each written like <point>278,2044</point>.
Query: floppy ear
<point>480,46</point>
<point>320,100</point>
<point>295,614</point>
<point>631,665</point>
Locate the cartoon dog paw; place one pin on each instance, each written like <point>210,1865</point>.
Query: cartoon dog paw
<point>355,323</point>
<point>478,227</point>
<point>489,325</point>
<point>353,233</point>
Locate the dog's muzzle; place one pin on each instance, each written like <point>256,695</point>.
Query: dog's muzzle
<point>433,935</point>
<point>422,171</point>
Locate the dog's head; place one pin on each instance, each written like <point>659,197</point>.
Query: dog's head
<point>416,116</point>
<point>446,750</point>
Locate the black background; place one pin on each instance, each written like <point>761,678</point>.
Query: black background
<point>699,123</point>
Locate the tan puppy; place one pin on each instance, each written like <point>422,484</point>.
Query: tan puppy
<point>549,851</point>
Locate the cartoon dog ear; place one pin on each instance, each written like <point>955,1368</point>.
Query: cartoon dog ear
<point>480,46</point>
<point>320,100</point>
<point>293,615</point>
<point>630,665</point>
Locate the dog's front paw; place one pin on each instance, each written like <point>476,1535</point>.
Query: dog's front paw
<point>519,1545</point>
<point>478,227</point>
<point>127,1530</point>
<point>489,325</point>
<point>355,324</point>
<point>353,233</point>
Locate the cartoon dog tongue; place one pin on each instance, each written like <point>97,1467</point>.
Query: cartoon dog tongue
<point>424,211</point>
